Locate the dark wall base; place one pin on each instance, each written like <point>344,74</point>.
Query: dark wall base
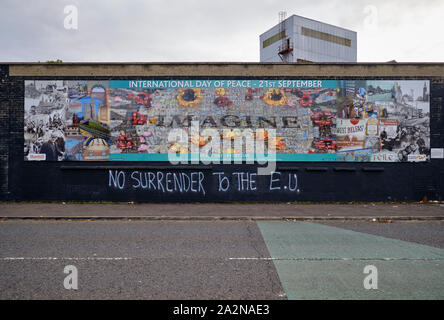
<point>154,183</point>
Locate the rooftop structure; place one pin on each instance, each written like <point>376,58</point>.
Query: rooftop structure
<point>299,39</point>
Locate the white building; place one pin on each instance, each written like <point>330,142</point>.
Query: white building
<point>299,39</point>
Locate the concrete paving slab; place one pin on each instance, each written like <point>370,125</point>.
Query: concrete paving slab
<point>218,210</point>
<point>316,261</point>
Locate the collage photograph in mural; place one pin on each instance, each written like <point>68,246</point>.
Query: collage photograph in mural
<point>318,120</point>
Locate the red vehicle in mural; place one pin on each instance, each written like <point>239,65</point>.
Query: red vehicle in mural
<point>138,119</point>
<point>325,145</point>
<point>124,143</point>
<point>323,118</point>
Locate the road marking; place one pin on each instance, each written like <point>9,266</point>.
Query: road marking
<point>338,259</point>
<point>63,258</point>
<point>235,258</point>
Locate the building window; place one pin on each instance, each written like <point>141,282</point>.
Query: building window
<point>273,39</point>
<point>326,37</point>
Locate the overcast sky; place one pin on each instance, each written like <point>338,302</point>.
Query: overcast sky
<point>206,30</point>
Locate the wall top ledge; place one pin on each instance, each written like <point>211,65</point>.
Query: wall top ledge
<point>231,69</point>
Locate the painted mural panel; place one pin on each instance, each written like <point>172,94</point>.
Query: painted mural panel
<point>314,120</point>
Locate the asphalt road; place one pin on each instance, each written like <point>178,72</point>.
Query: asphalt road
<point>166,260</point>
<point>221,259</point>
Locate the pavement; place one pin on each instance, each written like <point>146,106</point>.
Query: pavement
<point>221,251</point>
<point>242,260</point>
<point>135,260</point>
<point>216,211</point>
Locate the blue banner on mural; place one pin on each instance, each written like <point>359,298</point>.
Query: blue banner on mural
<point>227,84</point>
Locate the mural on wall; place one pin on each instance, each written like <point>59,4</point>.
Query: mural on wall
<point>314,120</point>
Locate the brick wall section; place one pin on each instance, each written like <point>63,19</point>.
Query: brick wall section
<point>437,131</point>
<point>16,137</point>
<point>46,181</point>
<point>4,131</point>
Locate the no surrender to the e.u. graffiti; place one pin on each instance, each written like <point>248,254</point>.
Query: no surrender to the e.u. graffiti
<point>199,182</point>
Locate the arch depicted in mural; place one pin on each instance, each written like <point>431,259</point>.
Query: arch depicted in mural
<point>100,90</point>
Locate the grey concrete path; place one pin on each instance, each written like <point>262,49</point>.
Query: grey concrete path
<point>210,211</point>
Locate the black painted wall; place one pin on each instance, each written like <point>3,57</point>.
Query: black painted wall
<point>90,181</point>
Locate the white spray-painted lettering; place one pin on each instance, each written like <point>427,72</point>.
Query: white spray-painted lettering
<point>246,181</point>
<point>222,181</point>
<point>272,181</point>
<point>165,182</point>
<point>195,182</point>
<point>115,179</point>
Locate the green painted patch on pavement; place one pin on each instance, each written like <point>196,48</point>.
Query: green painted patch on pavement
<point>329,277</point>
<point>344,279</point>
<point>311,240</point>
